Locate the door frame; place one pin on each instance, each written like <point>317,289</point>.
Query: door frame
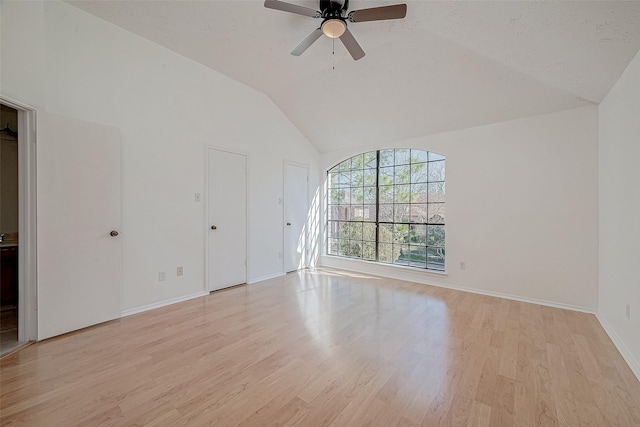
<point>205,198</point>
<point>27,227</point>
<point>286,163</point>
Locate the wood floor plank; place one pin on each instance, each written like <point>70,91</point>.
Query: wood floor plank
<point>480,415</point>
<point>327,348</point>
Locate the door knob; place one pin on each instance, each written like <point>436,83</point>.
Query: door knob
<point>288,223</point>
<point>213,227</point>
<point>113,233</point>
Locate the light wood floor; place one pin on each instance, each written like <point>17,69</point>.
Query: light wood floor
<point>327,348</point>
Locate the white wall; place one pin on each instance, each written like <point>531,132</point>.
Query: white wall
<point>168,108</point>
<point>620,213</point>
<point>522,208</point>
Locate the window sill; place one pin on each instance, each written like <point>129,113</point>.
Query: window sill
<point>405,268</point>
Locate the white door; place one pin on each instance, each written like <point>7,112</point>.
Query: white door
<point>227,200</point>
<point>78,197</point>
<point>295,216</point>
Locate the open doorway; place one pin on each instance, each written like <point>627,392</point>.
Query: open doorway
<point>9,226</point>
<point>18,315</point>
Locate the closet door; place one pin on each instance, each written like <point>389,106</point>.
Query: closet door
<point>79,224</point>
<point>227,234</point>
<point>296,196</point>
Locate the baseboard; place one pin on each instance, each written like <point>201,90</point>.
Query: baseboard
<point>622,348</point>
<point>412,276</point>
<point>155,305</point>
<point>515,298</point>
<point>263,278</point>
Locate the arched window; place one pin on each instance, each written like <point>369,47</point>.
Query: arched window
<point>388,206</point>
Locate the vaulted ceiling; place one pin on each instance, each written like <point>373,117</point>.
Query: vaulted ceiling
<point>448,65</point>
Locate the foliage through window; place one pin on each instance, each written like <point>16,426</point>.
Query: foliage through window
<point>388,206</point>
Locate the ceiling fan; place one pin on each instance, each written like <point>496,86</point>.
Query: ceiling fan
<point>334,21</point>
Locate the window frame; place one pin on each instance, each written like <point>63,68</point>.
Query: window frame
<point>340,183</point>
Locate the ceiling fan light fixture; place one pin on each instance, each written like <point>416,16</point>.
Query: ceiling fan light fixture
<point>334,28</point>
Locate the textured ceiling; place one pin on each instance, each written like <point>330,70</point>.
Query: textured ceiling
<point>448,65</point>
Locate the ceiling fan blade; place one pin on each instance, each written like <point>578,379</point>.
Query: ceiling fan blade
<point>293,8</point>
<point>311,38</point>
<point>352,45</point>
<point>396,11</point>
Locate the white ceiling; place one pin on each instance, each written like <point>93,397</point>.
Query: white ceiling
<point>448,65</point>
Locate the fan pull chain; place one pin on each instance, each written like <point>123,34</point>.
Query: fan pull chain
<point>333,54</point>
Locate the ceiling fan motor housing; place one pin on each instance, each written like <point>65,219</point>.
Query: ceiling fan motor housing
<point>333,7</point>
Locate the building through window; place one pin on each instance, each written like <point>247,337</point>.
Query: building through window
<point>388,206</point>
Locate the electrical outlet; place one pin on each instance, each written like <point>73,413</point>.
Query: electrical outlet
<point>179,271</point>
<point>162,276</point>
<point>628,312</point>
<point>196,197</point>
<point>462,265</point>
